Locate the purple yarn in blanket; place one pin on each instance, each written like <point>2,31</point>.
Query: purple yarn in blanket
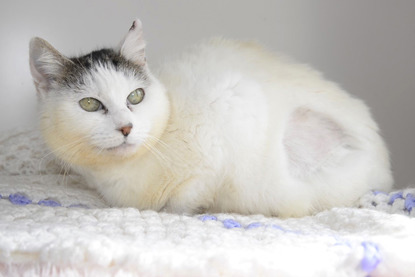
<point>253,225</point>
<point>22,199</point>
<point>395,196</point>
<point>207,217</point>
<point>230,224</point>
<point>409,202</point>
<point>376,192</point>
<point>371,256</point>
<point>277,227</point>
<point>49,203</point>
<point>19,199</point>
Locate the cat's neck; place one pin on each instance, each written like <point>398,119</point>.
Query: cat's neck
<point>146,173</point>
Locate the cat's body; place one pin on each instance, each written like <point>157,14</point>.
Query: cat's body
<point>236,129</point>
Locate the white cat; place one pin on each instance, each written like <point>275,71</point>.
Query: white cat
<point>230,127</point>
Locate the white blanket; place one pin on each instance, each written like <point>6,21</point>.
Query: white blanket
<point>51,226</point>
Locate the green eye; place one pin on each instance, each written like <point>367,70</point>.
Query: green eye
<point>136,96</point>
<point>90,104</point>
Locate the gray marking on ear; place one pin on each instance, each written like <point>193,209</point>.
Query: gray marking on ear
<point>132,26</point>
<point>46,64</point>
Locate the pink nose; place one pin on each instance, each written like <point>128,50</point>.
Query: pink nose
<point>125,130</point>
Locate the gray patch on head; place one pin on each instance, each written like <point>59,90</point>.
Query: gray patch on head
<point>73,73</point>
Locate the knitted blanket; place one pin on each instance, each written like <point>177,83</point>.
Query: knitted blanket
<point>50,225</point>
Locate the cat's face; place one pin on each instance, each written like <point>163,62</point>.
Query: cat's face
<point>102,107</point>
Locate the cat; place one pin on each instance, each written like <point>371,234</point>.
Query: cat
<point>228,127</point>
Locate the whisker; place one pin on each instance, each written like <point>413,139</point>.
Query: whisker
<point>53,152</point>
<point>65,149</point>
<point>164,161</point>
<point>177,156</point>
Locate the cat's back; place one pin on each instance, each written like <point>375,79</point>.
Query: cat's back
<point>249,116</point>
<point>216,59</point>
<point>230,80</point>
<point>215,65</point>
<point>225,79</point>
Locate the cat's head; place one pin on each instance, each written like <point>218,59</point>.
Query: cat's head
<point>100,107</point>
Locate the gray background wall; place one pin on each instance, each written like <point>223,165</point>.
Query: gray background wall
<point>367,46</point>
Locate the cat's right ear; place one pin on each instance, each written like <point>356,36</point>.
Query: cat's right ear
<point>46,63</point>
<point>132,47</point>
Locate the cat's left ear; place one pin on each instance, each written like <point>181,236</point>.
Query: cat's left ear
<point>133,45</point>
<point>46,63</point>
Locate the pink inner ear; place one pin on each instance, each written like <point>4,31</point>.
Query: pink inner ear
<point>311,141</point>
<point>40,80</point>
<point>37,77</point>
<point>133,45</point>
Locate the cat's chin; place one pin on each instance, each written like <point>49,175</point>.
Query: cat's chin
<point>123,150</point>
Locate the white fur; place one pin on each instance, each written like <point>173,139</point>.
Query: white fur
<point>241,130</point>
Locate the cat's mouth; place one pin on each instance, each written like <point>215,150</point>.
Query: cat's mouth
<point>122,149</point>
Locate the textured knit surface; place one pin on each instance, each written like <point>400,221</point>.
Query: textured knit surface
<point>50,225</point>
